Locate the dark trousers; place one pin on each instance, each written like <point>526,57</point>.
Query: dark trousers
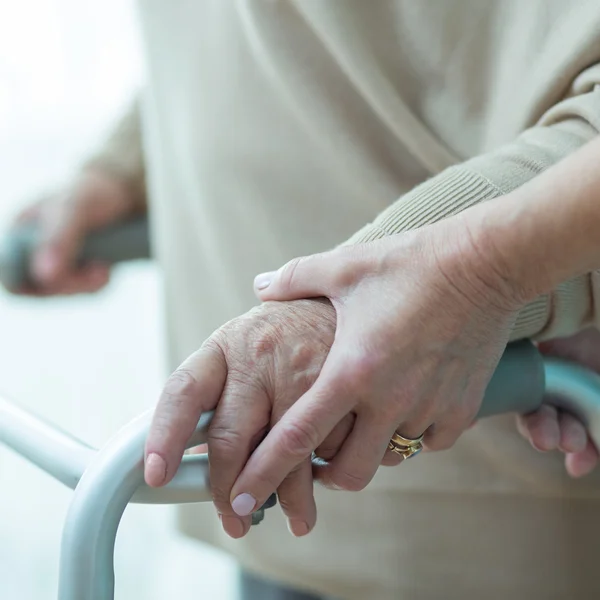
<point>255,588</point>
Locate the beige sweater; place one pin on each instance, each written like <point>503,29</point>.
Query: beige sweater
<point>273,129</point>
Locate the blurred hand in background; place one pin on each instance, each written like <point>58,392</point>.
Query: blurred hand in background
<point>93,200</point>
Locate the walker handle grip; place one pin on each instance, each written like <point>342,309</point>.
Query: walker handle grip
<point>518,383</point>
<point>128,240</point>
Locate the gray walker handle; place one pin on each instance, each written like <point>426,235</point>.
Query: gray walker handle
<point>125,241</point>
<point>105,481</point>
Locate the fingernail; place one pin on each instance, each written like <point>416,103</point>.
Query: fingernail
<point>233,526</point>
<point>263,280</point>
<point>297,528</point>
<point>243,505</point>
<point>156,469</point>
<point>45,265</point>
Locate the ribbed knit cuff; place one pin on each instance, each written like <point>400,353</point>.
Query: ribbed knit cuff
<point>451,192</point>
<point>566,310</point>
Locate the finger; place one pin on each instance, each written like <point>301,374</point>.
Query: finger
<point>62,228</point>
<point>582,463</point>
<point>541,428</point>
<point>573,436</point>
<point>391,459</point>
<point>195,387</point>
<point>234,526</point>
<point>305,277</point>
<point>292,440</point>
<point>409,430</point>
<point>297,500</point>
<point>334,441</point>
<point>240,422</point>
<point>359,458</point>
<point>201,449</point>
<point>86,280</point>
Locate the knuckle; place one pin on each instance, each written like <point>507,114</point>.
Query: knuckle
<point>170,421</point>
<point>180,386</point>
<point>298,439</point>
<point>287,274</point>
<point>441,441</point>
<point>427,412</point>
<point>466,413</point>
<point>161,427</point>
<point>345,275</point>
<point>253,337</point>
<point>458,417</point>
<point>302,357</point>
<point>224,443</point>
<point>346,480</point>
<point>352,264</point>
<point>264,343</point>
<point>287,504</point>
<point>220,496</point>
<point>327,451</point>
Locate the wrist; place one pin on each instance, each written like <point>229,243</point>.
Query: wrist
<point>490,240</point>
<point>545,232</point>
<point>472,266</point>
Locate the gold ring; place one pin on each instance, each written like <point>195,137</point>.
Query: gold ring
<point>405,447</point>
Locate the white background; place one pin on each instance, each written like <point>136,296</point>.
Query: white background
<point>67,67</point>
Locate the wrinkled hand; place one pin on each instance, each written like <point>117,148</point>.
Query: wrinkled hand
<point>422,321</point>
<point>251,370</point>
<point>549,429</point>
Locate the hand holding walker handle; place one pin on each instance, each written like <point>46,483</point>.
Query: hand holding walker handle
<point>105,481</point>
<point>127,240</point>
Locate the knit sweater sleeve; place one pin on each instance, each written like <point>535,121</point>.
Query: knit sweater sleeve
<point>562,130</point>
<point>121,153</point>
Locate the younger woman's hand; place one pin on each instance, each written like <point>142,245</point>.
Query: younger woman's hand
<point>422,320</point>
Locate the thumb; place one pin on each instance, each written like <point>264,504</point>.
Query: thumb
<point>306,277</point>
<point>62,227</point>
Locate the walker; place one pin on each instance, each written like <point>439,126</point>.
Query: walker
<point>106,480</point>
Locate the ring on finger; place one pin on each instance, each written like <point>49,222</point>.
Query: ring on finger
<point>405,447</point>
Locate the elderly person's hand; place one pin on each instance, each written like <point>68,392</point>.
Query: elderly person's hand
<point>422,320</point>
<point>92,200</point>
<point>548,429</point>
<point>251,370</point>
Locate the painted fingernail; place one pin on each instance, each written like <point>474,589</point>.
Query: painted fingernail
<point>263,280</point>
<point>233,526</point>
<point>243,505</point>
<point>156,469</point>
<point>297,527</point>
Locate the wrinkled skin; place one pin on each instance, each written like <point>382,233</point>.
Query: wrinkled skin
<point>419,330</point>
<point>407,340</point>
<point>253,369</point>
